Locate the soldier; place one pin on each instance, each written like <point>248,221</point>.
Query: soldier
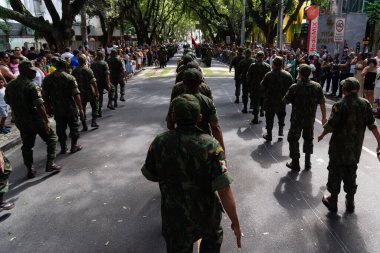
<point>5,172</point>
<point>234,64</point>
<point>305,96</point>
<point>189,167</point>
<point>192,64</point>
<point>117,75</point>
<point>25,99</point>
<point>274,87</point>
<point>63,97</point>
<point>162,56</point>
<point>348,121</point>
<point>255,75</point>
<point>208,56</point>
<point>102,74</point>
<point>210,122</point>
<point>88,90</point>
<point>243,69</point>
<point>184,61</point>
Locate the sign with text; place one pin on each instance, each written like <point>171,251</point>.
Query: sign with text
<point>340,25</point>
<point>312,37</point>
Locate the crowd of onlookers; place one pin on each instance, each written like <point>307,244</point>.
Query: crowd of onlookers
<point>327,68</point>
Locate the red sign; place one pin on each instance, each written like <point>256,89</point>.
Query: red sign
<point>312,12</point>
<point>312,38</point>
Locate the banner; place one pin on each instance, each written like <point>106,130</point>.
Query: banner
<point>193,41</point>
<point>340,25</point>
<point>312,36</point>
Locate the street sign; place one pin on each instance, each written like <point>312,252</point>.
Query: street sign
<point>340,25</point>
<point>228,40</point>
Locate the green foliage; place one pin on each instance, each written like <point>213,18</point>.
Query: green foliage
<point>5,26</point>
<point>372,9</point>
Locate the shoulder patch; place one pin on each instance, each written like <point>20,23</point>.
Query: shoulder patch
<point>219,150</point>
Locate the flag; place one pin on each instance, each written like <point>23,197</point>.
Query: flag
<point>193,41</point>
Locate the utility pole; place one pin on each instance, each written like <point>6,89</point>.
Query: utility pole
<point>242,35</point>
<point>280,25</point>
<point>84,26</point>
<point>340,14</point>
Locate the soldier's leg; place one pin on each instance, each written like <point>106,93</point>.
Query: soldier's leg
<point>269,118</point>
<point>84,105</point>
<point>256,108</point>
<point>60,126</point>
<point>101,91</point>
<point>28,140</point>
<point>245,97</point>
<point>178,245</point>
<point>308,136</point>
<point>122,89</point>
<point>261,106</point>
<point>294,135</point>
<point>95,108</point>
<point>111,96</point>
<point>237,90</point>
<point>212,242</point>
<point>73,123</point>
<point>333,186</point>
<point>350,186</point>
<point>281,114</point>
<point>116,95</point>
<point>51,139</point>
<point>4,182</point>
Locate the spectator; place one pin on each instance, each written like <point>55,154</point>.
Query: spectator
<point>4,69</point>
<point>13,65</point>
<point>326,72</point>
<point>377,58</point>
<point>32,55</point>
<point>74,60</point>
<point>369,74</point>
<point>359,63</point>
<point>67,53</point>
<point>377,91</point>
<point>3,108</point>
<point>335,75</point>
<point>17,52</point>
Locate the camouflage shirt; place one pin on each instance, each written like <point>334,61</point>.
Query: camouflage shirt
<point>274,87</point>
<point>189,167</point>
<point>61,88</point>
<point>101,70</point>
<point>348,121</point>
<point>243,68</point>
<point>180,88</point>
<point>305,96</point>
<point>208,111</point>
<point>24,96</point>
<point>85,77</point>
<point>235,63</point>
<point>256,74</point>
<point>116,69</point>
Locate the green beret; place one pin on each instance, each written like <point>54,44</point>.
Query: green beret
<point>351,84</point>
<point>277,61</point>
<point>60,63</point>
<point>305,70</point>
<point>260,54</point>
<point>248,51</point>
<point>25,65</point>
<point>240,50</point>
<point>187,58</point>
<point>193,74</point>
<point>192,65</point>
<point>186,109</point>
<point>82,59</point>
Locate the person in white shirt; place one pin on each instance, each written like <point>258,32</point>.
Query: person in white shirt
<point>377,91</point>
<point>377,58</point>
<point>67,54</point>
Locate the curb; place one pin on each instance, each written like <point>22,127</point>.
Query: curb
<point>11,144</point>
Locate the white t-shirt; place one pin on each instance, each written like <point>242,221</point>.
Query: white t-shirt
<point>377,82</point>
<point>39,77</point>
<point>67,55</point>
<point>2,94</point>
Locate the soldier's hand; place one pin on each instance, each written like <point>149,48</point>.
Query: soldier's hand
<point>108,87</point>
<point>81,114</point>
<point>2,163</point>
<point>320,137</point>
<point>238,234</point>
<point>324,121</point>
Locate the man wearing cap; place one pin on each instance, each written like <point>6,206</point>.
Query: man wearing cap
<point>274,87</point>
<point>210,122</point>
<point>255,75</point>
<point>234,64</point>
<point>88,90</point>
<point>184,61</point>
<point>117,75</point>
<point>305,96</point>
<point>102,74</point>
<point>63,97</point>
<point>243,69</point>
<point>25,99</point>
<point>192,64</point>
<point>190,167</point>
<point>348,121</point>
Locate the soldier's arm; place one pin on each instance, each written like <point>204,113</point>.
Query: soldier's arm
<point>331,124</point>
<point>149,169</point>
<point>322,105</point>
<point>170,124</point>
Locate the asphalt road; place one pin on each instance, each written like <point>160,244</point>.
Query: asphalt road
<point>100,202</point>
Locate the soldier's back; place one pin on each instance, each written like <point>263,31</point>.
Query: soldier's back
<point>100,69</point>
<point>275,85</point>
<point>84,76</point>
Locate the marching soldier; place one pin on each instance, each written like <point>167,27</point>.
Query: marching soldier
<point>117,75</point>
<point>243,69</point>
<point>5,172</point>
<point>234,64</point>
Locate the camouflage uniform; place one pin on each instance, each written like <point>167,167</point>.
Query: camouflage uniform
<point>116,77</point>
<point>304,96</point>
<point>162,57</point>
<point>234,64</point>
<point>61,88</point>
<point>208,56</point>
<point>242,70</point>
<point>85,77</point>
<point>255,75</point>
<point>274,87</point>
<point>24,96</point>
<point>100,70</point>
<point>348,121</point>
<point>5,176</point>
<point>180,88</point>
<point>189,167</point>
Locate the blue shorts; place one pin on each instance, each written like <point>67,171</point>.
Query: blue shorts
<point>4,111</point>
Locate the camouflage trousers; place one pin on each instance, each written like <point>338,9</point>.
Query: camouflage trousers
<point>72,121</point>
<point>237,87</point>
<point>112,94</point>
<point>246,92</point>
<point>339,173</point>
<point>294,136</point>
<point>270,114</point>
<point>94,102</point>
<point>257,102</point>
<point>28,140</point>
<point>5,176</point>
<point>210,243</point>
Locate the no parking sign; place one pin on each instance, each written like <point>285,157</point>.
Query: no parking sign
<point>340,25</point>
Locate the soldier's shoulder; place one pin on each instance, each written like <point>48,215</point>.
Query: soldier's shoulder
<point>285,73</point>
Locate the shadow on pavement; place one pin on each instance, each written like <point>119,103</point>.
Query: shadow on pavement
<point>265,152</point>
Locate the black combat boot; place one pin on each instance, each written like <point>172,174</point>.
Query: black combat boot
<point>331,202</point>
<point>93,123</point>
<point>31,172</point>
<point>85,128</point>
<point>244,109</point>
<point>237,100</point>
<point>350,203</point>
<point>307,162</point>
<point>74,146</point>
<point>255,120</point>
<point>268,136</point>
<point>51,166</point>
<point>262,113</point>
<point>294,165</point>
<point>115,103</point>
<point>281,131</point>
<point>100,114</point>
<point>5,205</point>
<point>122,98</point>
<point>63,148</point>
<point>110,106</point>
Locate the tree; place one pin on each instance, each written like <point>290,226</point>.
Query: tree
<point>372,9</point>
<point>59,32</point>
